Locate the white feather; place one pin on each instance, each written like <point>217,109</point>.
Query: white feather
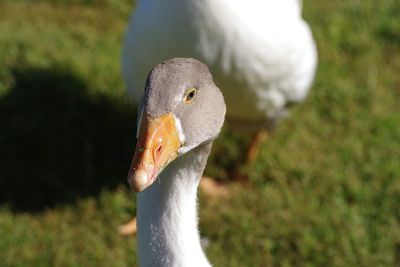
<point>179,130</point>
<point>261,52</point>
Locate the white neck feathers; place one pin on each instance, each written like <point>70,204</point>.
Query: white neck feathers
<point>167,215</point>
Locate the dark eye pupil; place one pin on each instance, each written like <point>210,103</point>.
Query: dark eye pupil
<point>190,96</point>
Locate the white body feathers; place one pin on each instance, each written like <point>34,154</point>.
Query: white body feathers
<point>261,52</point>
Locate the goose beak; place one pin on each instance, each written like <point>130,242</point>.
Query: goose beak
<point>157,145</point>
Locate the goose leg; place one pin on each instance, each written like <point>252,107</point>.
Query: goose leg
<point>255,144</point>
<point>213,188</point>
<point>128,228</point>
<point>258,138</point>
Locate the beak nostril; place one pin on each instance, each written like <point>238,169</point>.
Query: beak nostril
<point>158,151</point>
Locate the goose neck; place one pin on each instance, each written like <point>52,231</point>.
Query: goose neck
<point>167,214</point>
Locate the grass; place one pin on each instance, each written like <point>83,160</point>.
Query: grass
<point>325,188</point>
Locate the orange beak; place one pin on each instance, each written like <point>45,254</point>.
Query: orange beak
<point>157,145</point>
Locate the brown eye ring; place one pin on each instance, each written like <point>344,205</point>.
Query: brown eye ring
<point>190,95</point>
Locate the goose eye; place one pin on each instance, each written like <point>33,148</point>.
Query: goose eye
<point>190,95</point>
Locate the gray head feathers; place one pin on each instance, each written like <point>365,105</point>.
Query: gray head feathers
<point>166,88</point>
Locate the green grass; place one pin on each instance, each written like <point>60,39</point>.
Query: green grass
<point>325,188</point>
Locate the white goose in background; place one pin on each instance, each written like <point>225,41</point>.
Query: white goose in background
<point>261,54</point>
<point>180,115</point>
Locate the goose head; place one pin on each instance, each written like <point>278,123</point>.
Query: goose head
<point>181,109</point>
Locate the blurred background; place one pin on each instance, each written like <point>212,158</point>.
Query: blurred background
<point>324,191</point>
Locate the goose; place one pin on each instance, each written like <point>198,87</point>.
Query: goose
<point>261,54</point>
<point>181,113</point>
